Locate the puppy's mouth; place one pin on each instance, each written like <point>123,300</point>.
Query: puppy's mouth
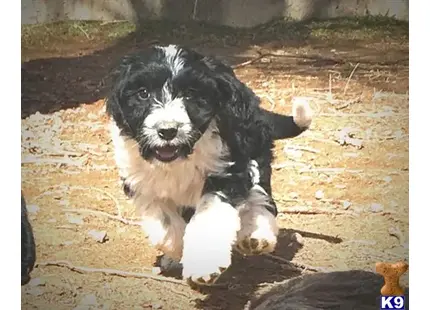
<point>167,153</point>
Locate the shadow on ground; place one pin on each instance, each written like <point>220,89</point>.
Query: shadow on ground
<point>51,84</point>
<point>247,273</point>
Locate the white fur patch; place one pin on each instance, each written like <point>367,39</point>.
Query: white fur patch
<point>166,93</point>
<point>180,181</point>
<point>171,114</point>
<point>302,112</point>
<point>167,238</point>
<point>155,230</point>
<point>209,238</point>
<point>175,61</point>
<point>259,230</point>
<point>160,188</point>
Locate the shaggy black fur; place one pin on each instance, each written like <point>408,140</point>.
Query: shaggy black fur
<point>212,92</point>
<point>28,248</point>
<point>354,289</point>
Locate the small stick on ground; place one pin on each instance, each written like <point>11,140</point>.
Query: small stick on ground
<point>288,164</point>
<point>296,266</point>
<point>108,271</point>
<point>251,61</point>
<point>343,105</point>
<point>284,200</point>
<point>83,31</point>
<point>62,153</point>
<point>369,115</point>
<point>349,78</point>
<point>331,170</point>
<point>112,22</point>
<point>303,148</point>
<point>43,160</point>
<point>313,211</point>
<point>105,214</point>
<point>347,103</point>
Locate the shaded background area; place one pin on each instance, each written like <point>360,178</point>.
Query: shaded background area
<point>236,13</point>
<point>353,71</point>
<point>82,55</point>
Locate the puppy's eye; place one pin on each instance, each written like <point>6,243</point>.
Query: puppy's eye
<point>143,94</point>
<point>189,94</point>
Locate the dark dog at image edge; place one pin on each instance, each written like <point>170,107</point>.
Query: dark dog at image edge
<point>188,134</point>
<point>28,248</point>
<point>343,290</point>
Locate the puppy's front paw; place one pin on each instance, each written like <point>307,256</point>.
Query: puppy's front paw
<point>206,267</point>
<point>258,232</point>
<point>208,241</point>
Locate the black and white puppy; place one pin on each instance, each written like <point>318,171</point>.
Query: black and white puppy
<point>28,248</point>
<point>187,132</point>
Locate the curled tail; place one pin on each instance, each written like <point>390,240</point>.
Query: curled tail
<point>287,126</point>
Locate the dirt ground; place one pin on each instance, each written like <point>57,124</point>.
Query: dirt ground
<point>347,197</point>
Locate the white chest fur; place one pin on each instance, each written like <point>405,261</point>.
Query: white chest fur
<point>181,181</point>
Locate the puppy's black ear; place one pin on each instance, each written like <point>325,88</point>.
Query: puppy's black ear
<point>228,94</point>
<point>126,61</point>
<point>140,56</point>
<point>122,67</point>
<point>119,75</point>
<point>218,66</point>
<point>116,74</point>
<point>220,72</point>
<point>234,94</point>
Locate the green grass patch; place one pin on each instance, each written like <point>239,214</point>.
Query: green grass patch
<point>279,30</point>
<point>41,34</point>
<point>363,28</point>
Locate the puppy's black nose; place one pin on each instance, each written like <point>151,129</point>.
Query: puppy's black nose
<point>167,133</point>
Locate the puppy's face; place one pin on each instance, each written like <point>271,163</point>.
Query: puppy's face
<point>165,99</point>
